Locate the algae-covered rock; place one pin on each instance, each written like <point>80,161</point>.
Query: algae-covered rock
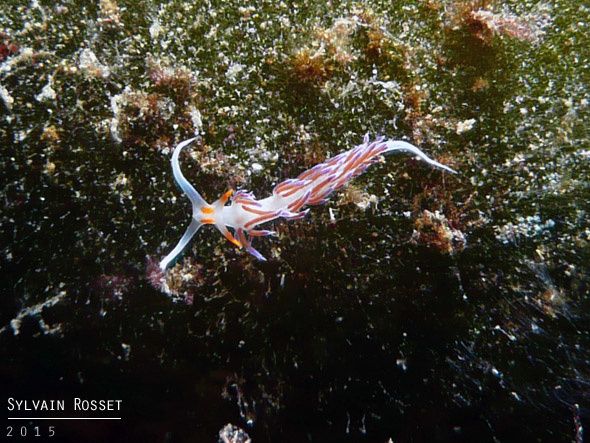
<point>414,306</point>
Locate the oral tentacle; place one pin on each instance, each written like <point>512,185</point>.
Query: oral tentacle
<point>192,229</point>
<point>184,184</point>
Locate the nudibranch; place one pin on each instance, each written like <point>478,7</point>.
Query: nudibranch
<point>312,187</point>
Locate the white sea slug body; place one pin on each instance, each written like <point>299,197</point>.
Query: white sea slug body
<point>288,198</point>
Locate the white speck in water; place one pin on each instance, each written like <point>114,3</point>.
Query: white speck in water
<point>233,70</point>
<point>47,93</point>
<point>465,125</point>
<point>256,167</point>
<point>89,63</point>
<point>496,373</point>
<point>6,97</point>
<point>126,351</point>
<point>155,29</point>
<point>196,119</point>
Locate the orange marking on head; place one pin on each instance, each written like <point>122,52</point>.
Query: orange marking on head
<point>207,210</point>
<point>208,221</point>
<point>225,197</point>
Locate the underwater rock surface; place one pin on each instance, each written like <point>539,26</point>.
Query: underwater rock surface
<point>413,306</point>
